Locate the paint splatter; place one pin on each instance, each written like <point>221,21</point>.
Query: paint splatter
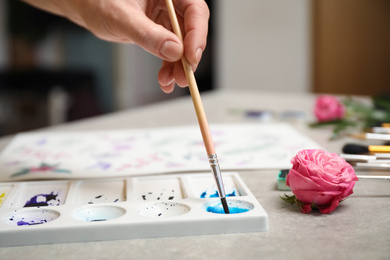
<point>2,198</point>
<point>163,195</point>
<point>101,198</point>
<point>31,217</point>
<point>216,195</point>
<point>43,200</point>
<point>164,209</point>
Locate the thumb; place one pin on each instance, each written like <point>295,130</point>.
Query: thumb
<point>159,41</point>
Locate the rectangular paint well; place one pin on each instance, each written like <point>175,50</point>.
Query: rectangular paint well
<point>100,191</point>
<point>4,190</point>
<point>158,189</point>
<point>205,187</point>
<point>41,194</point>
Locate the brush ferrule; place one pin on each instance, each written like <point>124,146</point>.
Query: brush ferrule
<point>213,160</point>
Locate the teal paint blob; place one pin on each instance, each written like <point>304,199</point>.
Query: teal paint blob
<point>218,208</point>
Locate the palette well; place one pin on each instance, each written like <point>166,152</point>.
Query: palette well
<point>44,212</point>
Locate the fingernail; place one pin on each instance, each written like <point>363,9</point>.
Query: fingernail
<point>198,55</point>
<point>171,51</point>
<point>170,82</point>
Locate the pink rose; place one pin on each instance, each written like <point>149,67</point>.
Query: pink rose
<point>320,179</point>
<point>328,108</point>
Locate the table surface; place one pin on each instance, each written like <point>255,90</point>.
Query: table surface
<point>358,229</point>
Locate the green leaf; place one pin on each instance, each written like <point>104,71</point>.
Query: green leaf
<point>289,199</point>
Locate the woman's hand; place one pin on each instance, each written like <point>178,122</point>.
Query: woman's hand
<point>146,23</point>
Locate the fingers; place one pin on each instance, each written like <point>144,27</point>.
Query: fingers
<point>147,24</point>
<point>158,40</point>
<point>171,73</point>
<point>196,17</point>
<point>166,78</point>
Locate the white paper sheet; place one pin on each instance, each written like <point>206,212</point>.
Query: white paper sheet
<point>51,155</point>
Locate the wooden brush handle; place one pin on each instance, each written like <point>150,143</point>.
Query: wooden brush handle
<point>200,113</point>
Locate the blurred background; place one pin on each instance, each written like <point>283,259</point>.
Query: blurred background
<point>52,71</point>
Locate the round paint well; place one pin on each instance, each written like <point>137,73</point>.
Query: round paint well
<point>98,213</point>
<point>164,209</point>
<point>235,206</point>
<point>31,217</point>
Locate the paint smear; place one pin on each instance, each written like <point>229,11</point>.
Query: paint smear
<point>206,194</point>
<point>4,192</point>
<point>41,194</point>
<point>2,198</point>
<point>43,200</point>
<point>205,187</point>
<point>219,209</point>
<point>31,217</point>
<point>235,207</point>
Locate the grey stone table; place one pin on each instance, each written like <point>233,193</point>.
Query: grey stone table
<point>358,229</point>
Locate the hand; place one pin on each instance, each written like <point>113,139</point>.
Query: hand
<point>146,23</point>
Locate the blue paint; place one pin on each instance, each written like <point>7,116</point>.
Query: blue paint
<point>204,195</point>
<point>44,200</point>
<point>216,195</point>
<point>218,208</point>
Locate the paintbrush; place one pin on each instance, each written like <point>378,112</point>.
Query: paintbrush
<point>364,149</point>
<point>373,177</point>
<point>371,136</point>
<point>381,130</point>
<point>200,113</point>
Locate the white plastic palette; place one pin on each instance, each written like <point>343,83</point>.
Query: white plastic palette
<point>43,212</point>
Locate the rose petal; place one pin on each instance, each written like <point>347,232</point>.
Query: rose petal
<point>305,208</point>
<point>303,169</point>
<point>297,181</point>
<point>328,107</point>
<point>348,191</point>
<point>326,185</point>
<point>316,197</point>
<point>320,178</point>
<point>329,208</point>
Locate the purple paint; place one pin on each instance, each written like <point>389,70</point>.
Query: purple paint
<point>103,165</point>
<point>43,200</point>
<point>24,223</point>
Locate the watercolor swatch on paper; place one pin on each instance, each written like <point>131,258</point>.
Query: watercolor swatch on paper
<point>119,153</point>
